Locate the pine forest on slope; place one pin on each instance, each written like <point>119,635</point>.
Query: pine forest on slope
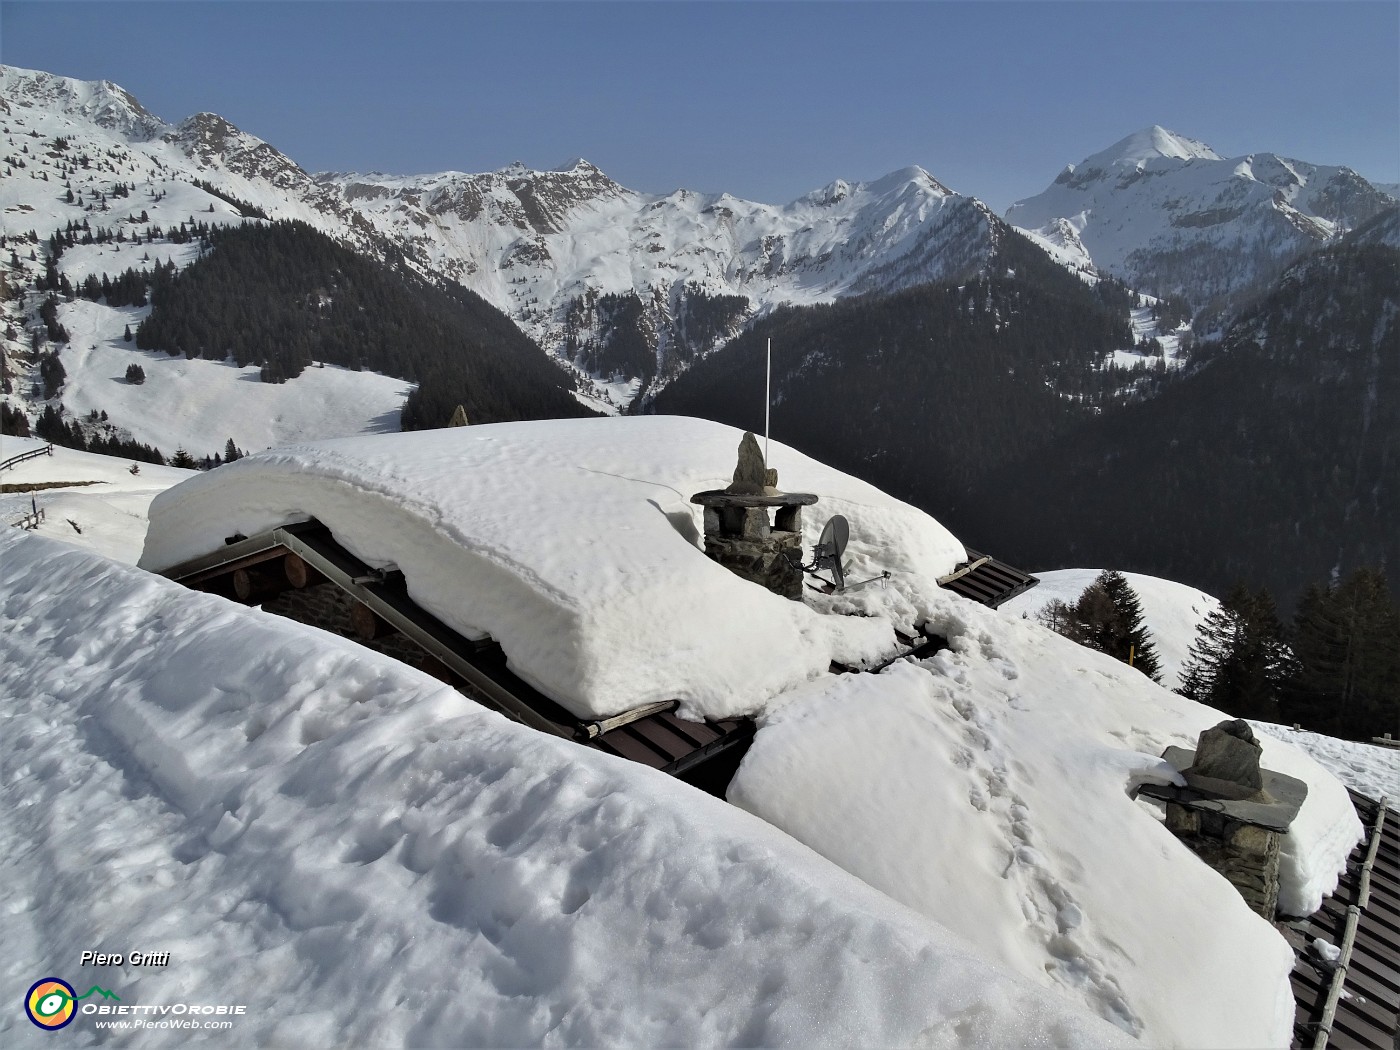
<point>1277,463</point>
<point>283,296</point>
<point>924,391</point>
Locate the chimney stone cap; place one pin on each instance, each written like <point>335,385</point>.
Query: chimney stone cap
<point>1274,807</point>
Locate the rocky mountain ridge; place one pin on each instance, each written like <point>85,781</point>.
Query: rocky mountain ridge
<point>628,289</point>
<point>539,244</point>
<point>1169,216</point>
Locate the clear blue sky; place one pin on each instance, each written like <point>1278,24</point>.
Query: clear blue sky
<point>765,100</point>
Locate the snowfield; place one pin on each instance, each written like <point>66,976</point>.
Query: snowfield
<point>97,503</point>
<point>198,404</point>
<point>949,852</point>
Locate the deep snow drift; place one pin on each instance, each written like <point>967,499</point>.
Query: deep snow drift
<point>988,788</point>
<point>364,857</point>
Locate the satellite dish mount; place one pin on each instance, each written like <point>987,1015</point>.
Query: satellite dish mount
<point>828,556</point>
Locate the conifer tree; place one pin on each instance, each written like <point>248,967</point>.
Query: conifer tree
<point>1347,642</point>
<point>1107,617</point>
<point>1131,641</point>
<point>1239,662</point>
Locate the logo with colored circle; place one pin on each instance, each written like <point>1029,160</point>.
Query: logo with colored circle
<point>50,1003</point>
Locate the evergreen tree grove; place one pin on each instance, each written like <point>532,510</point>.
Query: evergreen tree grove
<point>1347,642</point>
<point>1239,662</point>
<point>1107,617</point>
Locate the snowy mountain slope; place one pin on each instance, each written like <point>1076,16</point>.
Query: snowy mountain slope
<point>87,155</point>
<point>1169,215</point>
<point>89,501</point>
<point>532,242</point>
<point>535,244</point>
<point>320,834</point>
<point>198,405</point>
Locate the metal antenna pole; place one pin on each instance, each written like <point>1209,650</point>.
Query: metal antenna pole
<point>767,400</point>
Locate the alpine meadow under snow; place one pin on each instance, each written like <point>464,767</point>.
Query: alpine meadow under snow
<point>948,853</point>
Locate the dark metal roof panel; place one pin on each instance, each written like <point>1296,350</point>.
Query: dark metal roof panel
<point>991,583</point>
<point>1368,1013</point>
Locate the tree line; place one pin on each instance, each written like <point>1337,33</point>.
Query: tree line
<point>1334,669</point>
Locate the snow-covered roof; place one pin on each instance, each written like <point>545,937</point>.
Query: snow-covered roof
<point>574,544</point>
<point>987,790</point>
<point>361,856</point>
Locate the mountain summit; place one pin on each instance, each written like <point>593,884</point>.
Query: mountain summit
<point>1169,215</point>
<point>1147,145</point>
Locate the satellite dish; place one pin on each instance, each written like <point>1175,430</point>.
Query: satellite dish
<point>831,547</point>
<point>835,537</point>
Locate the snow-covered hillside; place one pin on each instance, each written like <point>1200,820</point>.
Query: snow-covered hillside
<point>90,501</point>
<point>87,156</point>
<point>1169,215</point>
<point>1171,611</point>
<point>955,785</point>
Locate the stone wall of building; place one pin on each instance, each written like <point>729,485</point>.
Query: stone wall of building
<point>326,606</point>
<point>1246,854</point>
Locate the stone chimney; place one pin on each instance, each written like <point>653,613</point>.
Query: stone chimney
<point>739,533</point>
<point>1232,813</point>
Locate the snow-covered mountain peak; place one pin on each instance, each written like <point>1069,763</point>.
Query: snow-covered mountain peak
<point>910,176</point>
<point>99,101</point>
<point>889,185</point>
<point>1169,215</point>
<point>1149,144</point>
<point>577,164</point>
